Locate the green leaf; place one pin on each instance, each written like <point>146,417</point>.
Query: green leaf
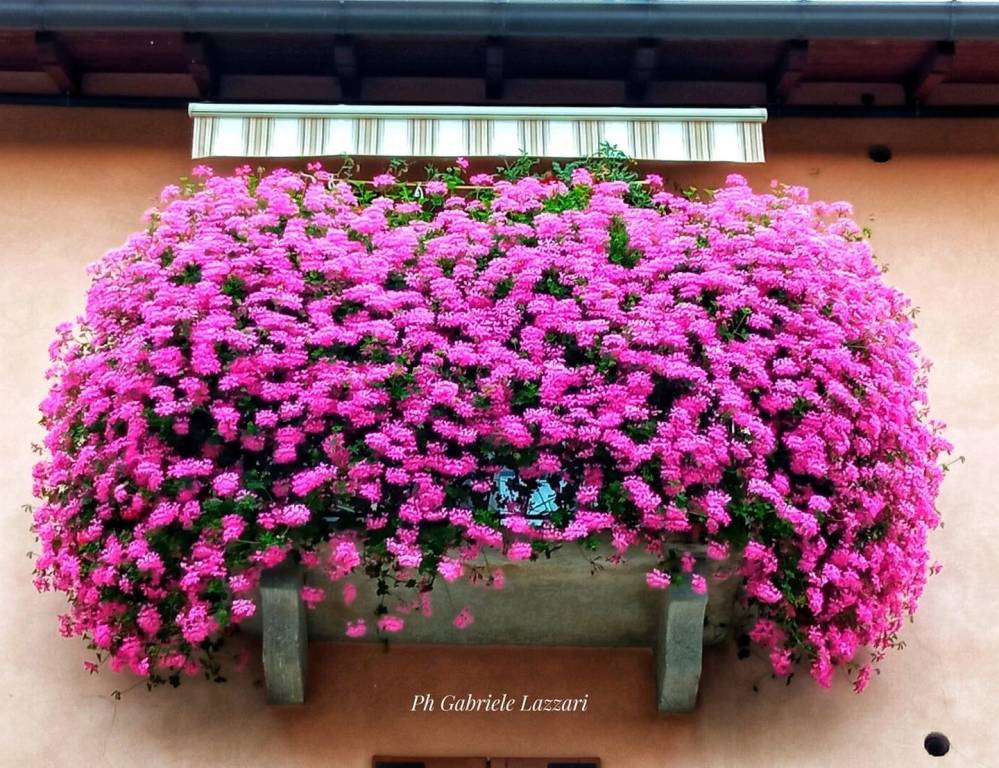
<point>618,251</point>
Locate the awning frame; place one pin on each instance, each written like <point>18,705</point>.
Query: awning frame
<point>644,133</point>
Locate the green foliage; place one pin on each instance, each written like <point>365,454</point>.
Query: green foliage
<point>551,284</point>
<point>520,168</point>
<point>618,249</point>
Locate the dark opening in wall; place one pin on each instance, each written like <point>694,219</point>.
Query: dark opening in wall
<point>879,153</point>
<point>399,764</point>
<point>936,744</point>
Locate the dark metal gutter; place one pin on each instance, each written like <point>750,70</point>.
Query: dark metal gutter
<point>676,19</point>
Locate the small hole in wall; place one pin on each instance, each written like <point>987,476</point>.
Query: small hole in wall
<point>936,744</point>
<point>879,153</point>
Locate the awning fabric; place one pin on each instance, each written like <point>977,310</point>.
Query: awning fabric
<point>282,130</point>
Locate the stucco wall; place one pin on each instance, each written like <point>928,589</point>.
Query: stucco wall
<point>74,183</point>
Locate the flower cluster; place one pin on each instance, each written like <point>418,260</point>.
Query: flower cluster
<point>301,365</point>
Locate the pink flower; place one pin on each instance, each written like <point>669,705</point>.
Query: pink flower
<point>149,620</point>
<point>309,558</point>
<point>232,527</point>
<point>344,557</point>
<point>863,678</point>
<point>717,550</point>
<point>389,623</point>
<point>687,562</point>
<point>766,592</point>
<point>272,556</point>
<point>312,596</point>
<point>349,593</point>
<point>464,618</point>
<point>293,515</point>
<point>449,569</point>
<point>196,623</point>
<point>822,670</point>
<point>358,628</point>
<point>657,579</point>
<point>519,550</point>
<point>242,609</point>
<point>426,604</point>
<point>226,484</point>
<point>498,579</point>
<point>782,662</point>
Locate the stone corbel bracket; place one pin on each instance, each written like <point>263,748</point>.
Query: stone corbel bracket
<point>285,636</point>
<point>688,622</point>
<point>679,649</point>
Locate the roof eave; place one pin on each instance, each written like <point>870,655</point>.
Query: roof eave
<point>668,19</point>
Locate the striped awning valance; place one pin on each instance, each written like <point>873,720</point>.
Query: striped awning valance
<point>240,130</point>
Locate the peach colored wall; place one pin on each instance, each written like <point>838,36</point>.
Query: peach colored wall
<point>74,183</point>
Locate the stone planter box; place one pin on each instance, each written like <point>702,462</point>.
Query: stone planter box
<point>561,601</point>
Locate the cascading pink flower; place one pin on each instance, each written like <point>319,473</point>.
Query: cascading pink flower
<point>296,367</point>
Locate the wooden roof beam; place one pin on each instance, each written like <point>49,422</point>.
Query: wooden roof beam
<point>644,61</point>
<point>346,68</point>
<point>789,72</point>
<point>495,55</point>
<point>932,71</point>
<point>201,64</point>
<point>56,63</point>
